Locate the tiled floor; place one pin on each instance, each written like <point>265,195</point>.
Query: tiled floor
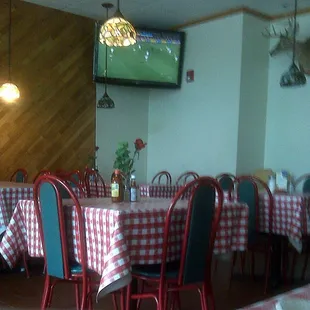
<point>17,292</point>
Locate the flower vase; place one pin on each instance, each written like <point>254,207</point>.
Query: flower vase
<point>127,188</point>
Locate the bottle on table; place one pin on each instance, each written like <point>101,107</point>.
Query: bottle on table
<point>272,183</point>
<point>133,189</point>
<point>117,188</point>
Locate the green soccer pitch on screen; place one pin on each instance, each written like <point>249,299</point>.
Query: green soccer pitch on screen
<point>155,60</point>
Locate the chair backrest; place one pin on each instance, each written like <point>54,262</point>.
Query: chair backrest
<point>182,179</point>
<point>247,192</point>
<point>226,180</point>
<point>19,176</point>
<point>94,180</point>
<point>305,180</point>
<point>263,185</point>
<point>159,175</point>
<point>202,219</point>
<point>51,217</point>
<point>75,180</point>
<point>42,172</point>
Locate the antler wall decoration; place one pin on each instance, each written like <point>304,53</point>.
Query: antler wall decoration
<point>285,43</point>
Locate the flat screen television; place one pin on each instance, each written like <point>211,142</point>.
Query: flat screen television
<point>156,60</point>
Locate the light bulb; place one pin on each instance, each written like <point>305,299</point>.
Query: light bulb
<point>9,92</point>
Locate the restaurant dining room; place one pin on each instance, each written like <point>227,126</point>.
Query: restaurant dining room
<point>154,154</point>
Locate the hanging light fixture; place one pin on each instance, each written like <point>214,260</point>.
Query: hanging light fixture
<point>106,102</point>
<point>117,31</point>
<point>9,91</point>
<point>293,77</point>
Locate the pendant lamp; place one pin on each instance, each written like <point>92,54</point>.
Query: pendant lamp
<point>106,102</point>
<point>293,77</point>
<point>9,91</point>
<point>117,31</point>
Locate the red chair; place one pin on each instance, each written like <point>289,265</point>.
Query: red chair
<point>20,176</point>
<point>193,270</point>
<point>42,172</point>
<point>258,242</point>
<point>305,181</point>
<point>59,265</point>
<point>75,180</point>
<point>94,180</point>
<point>182,179</point>
<point>161,174</point>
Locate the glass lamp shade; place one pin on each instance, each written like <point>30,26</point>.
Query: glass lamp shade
<point>9,92</point>
<point>117,31</point>
<point>293,77</point>
<point>106,102</point>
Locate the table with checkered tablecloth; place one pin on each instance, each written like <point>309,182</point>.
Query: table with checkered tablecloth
<point>302,293</point>
<point>118,235</point>
<point>290,215</point>
<point>10,194</point>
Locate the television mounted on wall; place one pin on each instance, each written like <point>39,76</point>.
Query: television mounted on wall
<point>155,61</point>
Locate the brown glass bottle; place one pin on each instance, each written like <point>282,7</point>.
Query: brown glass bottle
<point>117,188</point>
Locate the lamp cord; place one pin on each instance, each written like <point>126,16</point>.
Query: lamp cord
<point>295,26</point>
<point>9,39</point>
<point>106,60</point>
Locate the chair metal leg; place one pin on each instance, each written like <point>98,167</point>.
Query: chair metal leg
<point>233,263</point>
<point>128,296</point>
<point>304,269</point>
<point>77,296</point>
<point>46,293</point>
<point>25,263</point>
<point>293,266</point>
<point>242,262</point>
<point>253,265</point>
<point>203,297</point>
<point>84,299</point>
<point>122,298</point>
<point>114,301</point>
<point>141,291</point>
<point>267,270</point>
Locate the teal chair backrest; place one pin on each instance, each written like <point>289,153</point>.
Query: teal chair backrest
<point>51,230</point>
<point>306,186</point>
<point>52,225</point>
<point>200,228</point>
<point>20,177</point>
<point>199,234</point>
<point>247,193</point>
<point>227,183</point>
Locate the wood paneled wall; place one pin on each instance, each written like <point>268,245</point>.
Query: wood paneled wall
<point>52,125</point>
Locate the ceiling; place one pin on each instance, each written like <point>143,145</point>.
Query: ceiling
<point>169,13</point>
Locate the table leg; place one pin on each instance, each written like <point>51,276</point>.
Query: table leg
<point>134,290</point>
<point>276,263</point>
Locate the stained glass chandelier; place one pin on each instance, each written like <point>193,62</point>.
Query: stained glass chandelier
<point>106,102</point>
<point>9,91</point>
<point>117,31</point>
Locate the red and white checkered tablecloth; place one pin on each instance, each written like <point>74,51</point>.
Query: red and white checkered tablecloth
<point>147,190</point>
<point>269,304</point>
<point>10,194</point>
<point>289,217</point>
<point>118,235</point>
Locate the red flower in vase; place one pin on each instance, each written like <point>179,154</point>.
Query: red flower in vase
<point>139,144</point>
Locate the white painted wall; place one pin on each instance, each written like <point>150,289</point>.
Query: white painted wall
<point>128,121</point>
<point>253,96</point>
<point>196,127</point>
<point>288,123</point>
